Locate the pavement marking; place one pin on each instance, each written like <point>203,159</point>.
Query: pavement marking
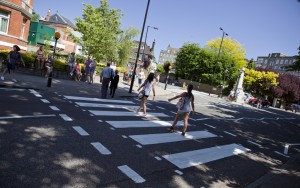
<point>254,143</point>
<point>80,130</point>
<point>282,154</point>
<point>32,91</point>
<point>160,107</point>
<point>111,128</point>
<point>131,174</point>
<point>178,172</point>
<point>210,126</point>
<point>122,113</point>
<point>102,149</point>
<point>100,120</point>
<point>45,101</point>
<point>65,117</point>
<point>54,108</point>
<point>202,156</point>
<point>230,133</point>
<point>139,146</point>
<point>136,124</point>
<point>192,119</point>
<point>91,114</point>
<point>202,119</point>
<point>20,117</point>
<point>76,106</point>
<point>148,139</point>
<point>157,158</point>
<point>37,95</point>
<point>12,89</point>
<point>70,102</point>
<point>84,110</point>
<point>124,136</point>
<point>97,100</point>
<point>97,105</point>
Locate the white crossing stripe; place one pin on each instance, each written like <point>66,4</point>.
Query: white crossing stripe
<point>160,107</point>
<point>201,156</point>
<point>139,146</point>
<point>230,133</point>
<point>122,113</point>
<point>282,154</point>
<point>148,139</point>
<point>178,172</point>
<point>45,101</point>
<point>80,130</point>
<point>37,95</point>
<point>97,105</point>
<point>210,126</point>
<point>19,117</point>
<point>135,124</point>
<point>157,158</point>
<point>54,108</point>
<point>97,100</point>
<point>254,143</point>
<point>32,91</point>
<point>65,117</point>
<point>102,149</point>
<point>131,174</point>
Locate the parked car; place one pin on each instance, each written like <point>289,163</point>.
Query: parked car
<point>259,103</point>
<point>247,97</point>
<point>293,107</point>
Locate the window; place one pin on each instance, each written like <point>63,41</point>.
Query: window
<point>23,28</point>
<point>281,62</point>
<point>277,61</point>
<point>4,21</point>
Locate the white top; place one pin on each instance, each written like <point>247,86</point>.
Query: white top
<point>148,87</point>
<point>140,75</point>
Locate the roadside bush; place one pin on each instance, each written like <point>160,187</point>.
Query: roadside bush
<point>29,59</point>
<point>4,54</point>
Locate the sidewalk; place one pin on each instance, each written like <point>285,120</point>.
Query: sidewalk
<point>71,87</point>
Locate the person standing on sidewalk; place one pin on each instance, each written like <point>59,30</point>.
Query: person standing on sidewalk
<point>14,58</point>
<point>140,77</point>
<point>147,86</point>
<point>92,71</point>
<point>71,63</point>
<point>39,63</point>
<point>105,77</point>
<point>187,102</point>
<point>49,65</point>
<point>87,69</point>
<point>114,84</point>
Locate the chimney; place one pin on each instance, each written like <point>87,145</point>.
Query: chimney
<point>152,48</point>
<point>48,15</point>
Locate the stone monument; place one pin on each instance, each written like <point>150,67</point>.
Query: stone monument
<point>239,92</point>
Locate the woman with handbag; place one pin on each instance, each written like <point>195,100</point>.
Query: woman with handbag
<point>184,105</point>
<point>147,86</point>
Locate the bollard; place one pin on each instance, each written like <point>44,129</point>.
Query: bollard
<point>286,149</point>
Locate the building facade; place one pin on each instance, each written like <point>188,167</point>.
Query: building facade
<point>168,55</point>
<point>40,33</point>
<point>64,26</point>
<point>15,18</point>
<point>275,61</point>
<point>145,51</point>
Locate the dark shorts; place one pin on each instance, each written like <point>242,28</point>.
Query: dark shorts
<point>146,96</point>
<point>11,66</point>
<point>140,80</point>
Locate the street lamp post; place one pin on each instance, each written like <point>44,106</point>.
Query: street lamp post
<point>146,40</point>
<point>225,73</point>
<point>56,36</point>
<point>139,48</point>
<point>224,33</point>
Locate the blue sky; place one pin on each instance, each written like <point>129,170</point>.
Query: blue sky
<point>261,26</point>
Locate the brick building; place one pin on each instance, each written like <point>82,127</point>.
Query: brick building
<point>15,18</point>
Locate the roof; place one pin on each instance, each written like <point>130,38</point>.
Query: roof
<point>57,18</point>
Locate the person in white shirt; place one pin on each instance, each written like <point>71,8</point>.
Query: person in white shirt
<point>140,77</point>
<point>105,77</point>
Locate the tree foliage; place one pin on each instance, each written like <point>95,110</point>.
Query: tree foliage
<point>288,88</point>
<point>296,65</point>
<point>126,44</point>
<point>100,27</point>
<point>260,83</point>
<point>251,64</point>
<point>35,17</point>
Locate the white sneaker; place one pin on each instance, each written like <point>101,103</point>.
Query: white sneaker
<point>14,80</point>
<point>71,74</point>
<point>2,77</point>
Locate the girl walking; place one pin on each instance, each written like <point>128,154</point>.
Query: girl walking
<point>147,86</point>
<point>184,109</point>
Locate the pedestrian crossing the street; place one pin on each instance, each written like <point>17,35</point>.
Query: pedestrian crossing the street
<point>121,115</point>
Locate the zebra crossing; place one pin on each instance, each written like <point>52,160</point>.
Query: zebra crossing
<point>182,160</point>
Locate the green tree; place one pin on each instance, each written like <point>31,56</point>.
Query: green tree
<point>251,64</point>
<point>126,44</point>
<point>260,83</point>
<point>160,68</point>
<point>100,27</point>
<point>35,17</point>
<point>296,65</point>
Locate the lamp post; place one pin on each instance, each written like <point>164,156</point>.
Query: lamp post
<point>56,36</point>
<point>139,48</point>
<point>225,73</point>
<point>146,40</point>
<point>224,33</point>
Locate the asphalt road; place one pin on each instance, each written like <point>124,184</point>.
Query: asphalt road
<point>61,140</point>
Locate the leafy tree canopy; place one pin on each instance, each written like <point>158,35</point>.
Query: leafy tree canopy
<point>260,83</point>
<point>296,65</point>
<point>288,88</point>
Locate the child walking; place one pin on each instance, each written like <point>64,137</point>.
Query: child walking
<point>185,109</point>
